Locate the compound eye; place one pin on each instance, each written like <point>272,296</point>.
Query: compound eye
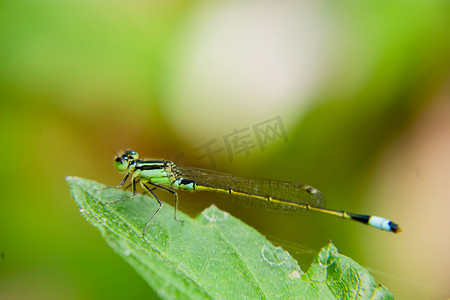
<point>121,164</point>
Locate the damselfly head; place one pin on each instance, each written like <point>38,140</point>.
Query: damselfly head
<point>122,162</point>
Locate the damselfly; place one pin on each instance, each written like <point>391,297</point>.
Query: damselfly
<point>267,194</point>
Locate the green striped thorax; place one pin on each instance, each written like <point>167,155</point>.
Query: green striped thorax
<point>150,171</point>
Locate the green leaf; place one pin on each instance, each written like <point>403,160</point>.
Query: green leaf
<point>214,255</point>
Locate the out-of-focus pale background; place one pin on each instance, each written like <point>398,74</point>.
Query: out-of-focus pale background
<point>362,90</point>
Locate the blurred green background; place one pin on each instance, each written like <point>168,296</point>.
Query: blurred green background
<point>362,91</point>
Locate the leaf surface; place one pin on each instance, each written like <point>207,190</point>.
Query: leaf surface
<point>214,255</point>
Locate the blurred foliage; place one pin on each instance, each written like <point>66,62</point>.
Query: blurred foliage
<point>81,79</point>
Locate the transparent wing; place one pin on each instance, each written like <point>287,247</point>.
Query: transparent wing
<point>287,191</point>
